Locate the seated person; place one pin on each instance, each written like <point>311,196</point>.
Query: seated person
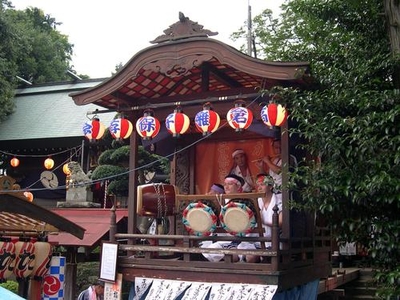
<point>233,184</point>
<point>265,184</point>
<point>241,168</point>
<point>216,188</point>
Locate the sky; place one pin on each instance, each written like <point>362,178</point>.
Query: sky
<point>106,33</point>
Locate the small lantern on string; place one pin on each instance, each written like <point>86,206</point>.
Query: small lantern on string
<point>14,162</point>
<point>177,123</point>
<point>29,196</point>
<point>274,114</point>
<point>207,121</point>
<point>148,126</point>
<point>239,117</point>
<point>49,163</point>
<point>66,169</point>
<point>93,129</point>
<point>120,128</point>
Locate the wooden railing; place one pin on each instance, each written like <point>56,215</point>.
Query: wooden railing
<point>308,256</point>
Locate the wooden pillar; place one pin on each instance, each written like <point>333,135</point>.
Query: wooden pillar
<point>275,239</point>
<point>285,180</point>
<point>35,289</point>
<point>23,286</point>
<point>113,224</point>
<point>70,273</point>
<point>133,182</point>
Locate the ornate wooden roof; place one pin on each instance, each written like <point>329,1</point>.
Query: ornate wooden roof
<point>184,65</point>
<point>18,216</point>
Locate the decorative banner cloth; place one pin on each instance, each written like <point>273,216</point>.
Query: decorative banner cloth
<point>197,291</point>
<point>142,285</point>
<point>224,291</point>
<point>166,289</point>
<point>162,289</point>
<point>53,283</point>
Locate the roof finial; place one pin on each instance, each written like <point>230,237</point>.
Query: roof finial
<point>182,17</point>
<point>183,29</point>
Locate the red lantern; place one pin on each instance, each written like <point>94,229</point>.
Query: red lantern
<point>177,123</point>
<point>120,128</point>
<point>7,257</point>
<point>94,129</point>
<point>207,121</point>
<point>14,162</point>
<point>48,163</point>
<point>25,258</point>
<point>29,196</point>
<point>43,254</point>
<point>148,126</point>
<point>273,114</point>
<point>239,117</point>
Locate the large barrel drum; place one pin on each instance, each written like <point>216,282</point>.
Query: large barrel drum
<point>156,199</point>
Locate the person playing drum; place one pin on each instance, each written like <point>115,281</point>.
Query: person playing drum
<point>233,184</point>
<point>216,189</point>
<point>264,184</point>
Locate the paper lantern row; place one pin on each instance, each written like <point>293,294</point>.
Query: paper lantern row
<point>48,163</point>
<point>206,121</point>
<point>24,258</point>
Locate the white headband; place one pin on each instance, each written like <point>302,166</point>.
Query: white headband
<point>230,179</point>
<point>236,152</point>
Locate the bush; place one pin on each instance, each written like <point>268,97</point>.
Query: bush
<point>10,285</point>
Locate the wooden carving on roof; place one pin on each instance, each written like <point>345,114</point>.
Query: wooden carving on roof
<point>183,29</point>
<point>177,66</point>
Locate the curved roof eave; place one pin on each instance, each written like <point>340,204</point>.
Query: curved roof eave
<point>23,209</point>
<point>179,52</point>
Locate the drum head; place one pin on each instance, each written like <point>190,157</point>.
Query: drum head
<point>199,219</point>
<point>237,219</point>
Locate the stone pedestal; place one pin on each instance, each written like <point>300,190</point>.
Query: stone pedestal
<point>78,197</point>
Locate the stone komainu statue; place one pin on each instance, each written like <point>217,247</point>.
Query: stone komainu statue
<point>77,176</point>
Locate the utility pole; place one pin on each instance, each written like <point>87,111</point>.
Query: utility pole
<point>249,35</point>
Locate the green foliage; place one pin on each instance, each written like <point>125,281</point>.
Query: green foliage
<point>31,48</point>
<point>114,166</point>
<point>87,274</point>
<point>42,53</point>
<point>10,285</point>
<point>350,120</point>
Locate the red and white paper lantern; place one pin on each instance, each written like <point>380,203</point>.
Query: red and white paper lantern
<point>7,258</point>
<point>274,114</point>
<point>24,258</point>
<point>148,126</point>
<point>177,123</point>
<point>239,118</point>
<point>120,128</point>
<point>43,253</point>
<point>93,129</point>
<point>207,121</point>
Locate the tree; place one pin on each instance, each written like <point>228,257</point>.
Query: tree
<point>114,166</point>
<point>350,119</point>
<point>32,49</point>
